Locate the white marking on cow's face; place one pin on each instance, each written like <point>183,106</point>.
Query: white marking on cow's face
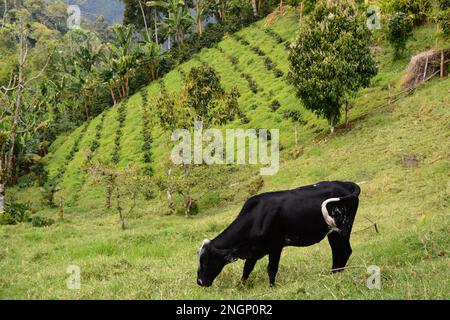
<point>202,249</point>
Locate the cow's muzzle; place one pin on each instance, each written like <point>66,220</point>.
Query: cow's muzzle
<point>203,283</point>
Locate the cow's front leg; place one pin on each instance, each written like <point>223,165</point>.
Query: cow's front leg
<point>341,250</point>
<point>248,268</point>
<point>274,260</point>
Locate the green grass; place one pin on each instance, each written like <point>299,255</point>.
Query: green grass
<point>156,256</point>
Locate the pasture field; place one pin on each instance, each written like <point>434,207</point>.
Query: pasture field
<point>399,153</point>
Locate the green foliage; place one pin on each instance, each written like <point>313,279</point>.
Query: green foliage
<point>330,59</point>
<point>272,66</point>
<point>275,105</point>
<point>95,144</point>
<point>121,117</point>
<point>444,4</point>
<point>40,173</point>
<point>15,212</point>
<point>202,85</point>
<point>309,6</point>
<point>178,21</point>
<point>398,32</point>
<point>238,15</point>
<point>279,39</point>
<point>251,83</point>
<point>39,221</point>
<point>417,10</point>
<point>258,51</point>
<point>241,39</point>
<point>69,157</point>
<point>444,22</point>
<point>295,115</point>
<point>202,99</point>
<point>147,138</point>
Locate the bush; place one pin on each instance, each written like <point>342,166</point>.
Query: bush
<point>418,10</point>
<point>40,173</point>
<point>399,31</point>
<point>258,51</point>
<point>278,73</point>
<point>147,157</point>
<point>240,39</point>
<point>309,6</point>
<point>240,15</point>
<point>245,119</point>
<point>251,83</point>
<point>275,105</point>
<point>115,157</point>
<point>15,213</point>
<point>444,22</point>
<point>294,115</point>
<point>274,35</point>
<point>270,65</point>
<point>148,171</point>
<point>39,221</point>
<point>444,4</point>
<point>94,146</point>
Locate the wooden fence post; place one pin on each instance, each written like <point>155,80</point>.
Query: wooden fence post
<point>425,70</point>
<point>61,207</point>
<point>390,92</point>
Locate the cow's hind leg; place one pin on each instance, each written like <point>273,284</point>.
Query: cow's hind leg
<point>274,260</point>
<point>248,268</point>
<point>341,250</point>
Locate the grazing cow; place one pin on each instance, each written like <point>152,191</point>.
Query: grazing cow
<point>270,221</point>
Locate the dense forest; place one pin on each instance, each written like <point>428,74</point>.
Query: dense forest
<point>87,111</point>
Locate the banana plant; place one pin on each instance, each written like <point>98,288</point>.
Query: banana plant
<point>178,20</point>
<point>123,57</point>
<point>151,54</point>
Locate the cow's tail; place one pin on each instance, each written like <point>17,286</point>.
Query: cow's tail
<point>329,219</point>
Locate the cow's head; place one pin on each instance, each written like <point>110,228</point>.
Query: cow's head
<point>210,263</point>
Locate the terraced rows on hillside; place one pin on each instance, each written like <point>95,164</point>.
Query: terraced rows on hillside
<point>253,60</point>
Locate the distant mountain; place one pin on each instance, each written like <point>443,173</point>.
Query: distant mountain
<point>112,10</point>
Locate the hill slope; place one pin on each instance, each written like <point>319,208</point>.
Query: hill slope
<point>399,152</point>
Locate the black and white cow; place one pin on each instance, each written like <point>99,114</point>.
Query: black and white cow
<point>270,221</point>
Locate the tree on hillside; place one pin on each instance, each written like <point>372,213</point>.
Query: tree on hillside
<point>202,99</point>
<point>82,77</point>
<point>123,186</point>
<point>201,8</point>
<point>22,108</point>
<point>417,10</point>
<point>330,59</point>
<point>151,55</point>
<point>398,32</point>
<point>142,17</point>
<point>178,20</point>
<point>123,57</point>
<point>258,7</point>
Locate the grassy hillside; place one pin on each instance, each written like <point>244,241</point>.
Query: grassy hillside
<point>398,152</point>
